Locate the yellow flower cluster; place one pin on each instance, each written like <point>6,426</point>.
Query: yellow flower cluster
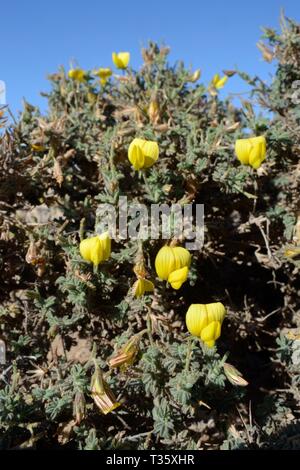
<point>172,265</point>
<point>120,59</point>
<point>205,321</point>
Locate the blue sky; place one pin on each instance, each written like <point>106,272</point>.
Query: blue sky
<point>211,35</point>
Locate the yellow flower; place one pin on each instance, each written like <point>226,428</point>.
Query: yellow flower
<point>126,355</point>
<point>102,394</point>
<point>121,59</point>
<point>96,249</point>
<point>172,265</point>
<point>142,153</point>
<point>251,151</point>
<point>218,82</point>
<point>141,286</point>
<point>78,75</point>
<point>205,321</point>
<point>103,74</point>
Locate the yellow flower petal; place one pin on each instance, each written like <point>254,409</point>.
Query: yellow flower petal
<point>216,312</point>
<point>90,250</point>
<point>96,251</point>
<point>165,262</point>
<point>215,79</point>
<point>151,151</point>
<point>178,277</point>
<point>258,151</point>
<point>105,242</point>
<point>136,157</point>
<point>242,150</point>
<point>85,249</point>
<point>116,59</point>
<point>148,285</point>
<point>124,57</point>
<point>196,319</point>
<point>220,83</point>
<point>141,286</point>
<point>182,256</point>
<point>137,288</point>
<point>211,333</point>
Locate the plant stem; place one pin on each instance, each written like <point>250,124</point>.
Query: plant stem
<point>149,328</point>
<point>190,345</point>
<point>147,184</point>
<point>81,229</point>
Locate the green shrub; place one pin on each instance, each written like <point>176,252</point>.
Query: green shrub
<point>60,318</point>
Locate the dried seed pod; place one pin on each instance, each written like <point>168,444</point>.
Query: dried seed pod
<point>234,376</point>
<point>57,172</point>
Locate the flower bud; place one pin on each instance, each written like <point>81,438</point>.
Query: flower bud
<point>126,355</point>
<point>178,277</point>
<point>102,394</point>
<point>79,407</point>
<point>195,76</point>
<point>234,376</point>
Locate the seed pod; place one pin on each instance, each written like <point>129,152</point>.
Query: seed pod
<point>79,407</point>
<point>234,376</point>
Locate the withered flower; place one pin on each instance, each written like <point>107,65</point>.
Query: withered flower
<point>101,393</point>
